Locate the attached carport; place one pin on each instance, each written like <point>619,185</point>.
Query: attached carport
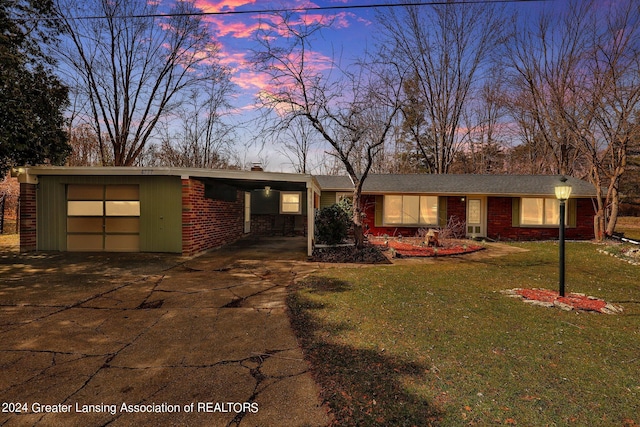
<point>178,210</point>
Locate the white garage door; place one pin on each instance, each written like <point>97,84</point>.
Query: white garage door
<point>103,218</point>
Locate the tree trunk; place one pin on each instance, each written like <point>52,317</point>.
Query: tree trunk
<point>598,226</point>
<point>613,217</point>
<point>358,231</point>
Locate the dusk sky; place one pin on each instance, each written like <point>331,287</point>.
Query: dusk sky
<point>352,32</point>
<point>352,29</point>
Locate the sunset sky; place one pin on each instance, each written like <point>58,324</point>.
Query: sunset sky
<point>352,32</point>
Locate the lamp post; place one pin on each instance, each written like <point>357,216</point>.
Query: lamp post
<point>563,191</point>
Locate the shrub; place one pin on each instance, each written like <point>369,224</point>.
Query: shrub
<point>332,225</point>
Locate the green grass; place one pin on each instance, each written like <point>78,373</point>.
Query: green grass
<point>438,344</point>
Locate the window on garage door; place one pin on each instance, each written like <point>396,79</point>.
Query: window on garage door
<point>103,218</point>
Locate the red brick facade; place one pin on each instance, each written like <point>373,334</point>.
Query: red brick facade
<point>500,224</point>
<point>206,223</point>
<point>28,226</point>
<point>457,208</point>
<point>499,221</point>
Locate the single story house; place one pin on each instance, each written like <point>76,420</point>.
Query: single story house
<point>500,207</point>
<point>188,211</point>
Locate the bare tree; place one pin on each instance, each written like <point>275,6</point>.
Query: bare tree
<point>444,48</point>
<point>85,149</point>
<point>352,111</point>
<point>483,150</point>
<point>576,81</point>
<point>612,103</point>
<point>132,67</point>
<point>297,141</point>
<point>547,63</point>
<point>197,135</point>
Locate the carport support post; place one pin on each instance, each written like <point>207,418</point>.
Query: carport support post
<point>310,219</point>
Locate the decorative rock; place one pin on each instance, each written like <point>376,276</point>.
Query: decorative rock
<point>573,301</point>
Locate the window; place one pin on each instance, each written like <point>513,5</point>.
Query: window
<point>122,208</point>
<point>540,211</point>
<point>410,210</point>
<point>290,203</point>
<point>84,208</point>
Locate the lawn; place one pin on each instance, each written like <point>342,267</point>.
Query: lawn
<point>437,343</point>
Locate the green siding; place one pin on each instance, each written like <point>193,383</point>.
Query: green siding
<point>263,204</point>
<point>161,214</point>
<point>160,210</point>
<point>327,198</point>
<point>51,211</point>
<point>443,219</point>
<point>515,212</point>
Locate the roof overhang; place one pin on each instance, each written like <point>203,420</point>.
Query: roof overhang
<point>245,180</point>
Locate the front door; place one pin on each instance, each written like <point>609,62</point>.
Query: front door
<point>476,217</point>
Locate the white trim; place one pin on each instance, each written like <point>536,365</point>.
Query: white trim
<point>483,224</point>
<point>157,171</point>
<point>289,193</point>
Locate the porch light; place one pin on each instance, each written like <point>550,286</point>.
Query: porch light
<point>563,191</point>
<point>267,190</point>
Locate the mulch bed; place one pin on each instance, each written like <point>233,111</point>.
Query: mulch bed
<point>372,252</point>
<point>369,254</point>
<point>415,248</point>
<point>573,301</point>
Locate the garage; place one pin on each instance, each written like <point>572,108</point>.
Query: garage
<point>103,218</point>
<point>173,210</point>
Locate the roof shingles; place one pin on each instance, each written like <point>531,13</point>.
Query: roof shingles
<point>497,185</point>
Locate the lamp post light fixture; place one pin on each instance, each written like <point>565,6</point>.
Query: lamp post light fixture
<point>563,191</point>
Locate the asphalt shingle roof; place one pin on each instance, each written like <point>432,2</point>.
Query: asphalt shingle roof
<point>502,185</point>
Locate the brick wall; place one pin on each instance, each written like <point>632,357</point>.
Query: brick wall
<point>369,221</point>
<point>456,207</point>
<point>28,225</point>
<point>206,223</point>
<point>500,226</point>
<point>278,225</point>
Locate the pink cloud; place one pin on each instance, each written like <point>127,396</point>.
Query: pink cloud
<point>249,80</point>
<point>246,26</point>
<point>210,6</point>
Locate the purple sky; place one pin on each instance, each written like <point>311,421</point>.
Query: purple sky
<point>352,32</point>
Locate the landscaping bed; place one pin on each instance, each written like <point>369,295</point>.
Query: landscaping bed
<point>369,254</point>
<point>574,301</point>
<point>626,252</point>
<point>415,247</point>
<point>374,250</point>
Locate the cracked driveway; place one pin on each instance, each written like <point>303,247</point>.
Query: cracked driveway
<point>154,339</point>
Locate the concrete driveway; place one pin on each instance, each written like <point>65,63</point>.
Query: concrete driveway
<point>148,339</point>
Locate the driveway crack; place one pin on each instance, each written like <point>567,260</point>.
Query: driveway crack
<point>110,357</point>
